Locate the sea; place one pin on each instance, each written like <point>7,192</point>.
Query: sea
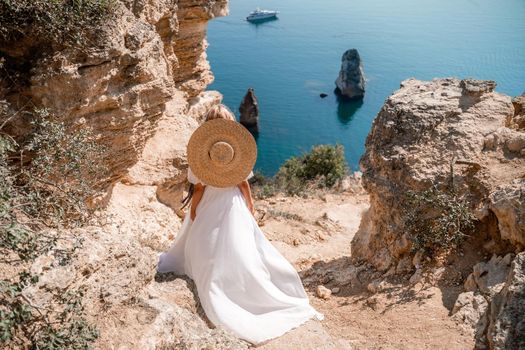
<point>290,61</point>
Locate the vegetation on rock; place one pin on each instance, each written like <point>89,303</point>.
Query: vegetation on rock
<point>56,21</point>
<point>437,221</point>
<point>46,180</point>
<point>323,167</point>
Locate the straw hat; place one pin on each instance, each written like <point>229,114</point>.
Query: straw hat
<point>221,153</point>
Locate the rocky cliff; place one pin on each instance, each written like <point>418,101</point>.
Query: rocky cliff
<point>438,132</point>
<point>249,111</point>
<point>142,91</point>
<point>457,134</point>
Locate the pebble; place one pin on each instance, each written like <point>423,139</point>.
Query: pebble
<point>323,292</point>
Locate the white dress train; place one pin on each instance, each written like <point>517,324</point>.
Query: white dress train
<point>244,284</point>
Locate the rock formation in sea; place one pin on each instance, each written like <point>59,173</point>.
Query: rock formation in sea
<point>249,111</point>
<point>351,81</point>
<point>458,133</point>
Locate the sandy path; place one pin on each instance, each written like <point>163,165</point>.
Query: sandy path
<point>400,317</point>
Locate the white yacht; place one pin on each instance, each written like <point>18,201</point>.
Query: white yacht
<point>259,14</point>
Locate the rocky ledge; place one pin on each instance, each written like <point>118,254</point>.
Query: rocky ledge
<point>436,132</point>
<point>461,134</point>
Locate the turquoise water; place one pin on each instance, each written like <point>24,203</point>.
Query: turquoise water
<point>290,61</point>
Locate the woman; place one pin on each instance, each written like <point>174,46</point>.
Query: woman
<point>244,284</point>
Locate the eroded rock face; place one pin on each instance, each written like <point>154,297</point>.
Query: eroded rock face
<point>138,89</point>
<point>424,129</point>
<point>470,310</point>
<point>249,110</point>
<point>507,313</point>
<point>143,94</point>
<point>517,120</point>
<point>494,305</point>
<point>351,81</point>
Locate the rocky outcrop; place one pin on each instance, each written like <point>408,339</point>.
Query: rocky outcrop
<point>517,121</point>
<point>351,81</point>
<point>494,304</point>
<point>439,132</point>
<point>138,89</point>
<point>142,91</point>
<point>249,110</point>
<point>506,330</point>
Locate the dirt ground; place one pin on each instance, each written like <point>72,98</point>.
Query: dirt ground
<point>366,310</point>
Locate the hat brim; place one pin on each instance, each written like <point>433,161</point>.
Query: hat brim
<point>244,153</point>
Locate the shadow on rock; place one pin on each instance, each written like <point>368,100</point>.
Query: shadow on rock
<point>170,277</point>
<point>344,278</point>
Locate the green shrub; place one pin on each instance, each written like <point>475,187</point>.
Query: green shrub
<point>55,21</point>
<point>437,221</point>
<point>61,325</point>
<point>46,180</point>
<point>46,184</point>
<point>61,171</point>
<point>324,164</point>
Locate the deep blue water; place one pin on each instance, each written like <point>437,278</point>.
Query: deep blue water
<point>290,61</point>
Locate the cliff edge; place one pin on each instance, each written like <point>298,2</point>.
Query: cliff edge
<point>466,141</point>
<point>440,132</point>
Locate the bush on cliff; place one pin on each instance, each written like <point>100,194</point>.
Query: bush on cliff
<point>437,220</point>
<point>56,21</point>
<point>323,167</point>
<point>46,179</point>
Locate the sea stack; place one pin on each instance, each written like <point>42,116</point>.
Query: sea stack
<point>351,81</point>
<point>249,110</point>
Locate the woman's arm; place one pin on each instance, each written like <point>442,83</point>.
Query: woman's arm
<point>247,193</point>
<point>195,199</point>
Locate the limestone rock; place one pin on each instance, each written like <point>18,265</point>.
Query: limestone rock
<point>134,89</point>
<point>351,81</point>
<point>506,317</point>
<point>249,111</point>
<point>309,336</point>
<point>508,204</point>
<point>495,306</point>
<point>142,93</point>
<point>517,120</point>
<point>422,130</point>
<point>323,292</point>
<point>476,88</point>
<point>378,286</point>
<point>470,284</point>
<point>489,277</point>
<point>470,309</point>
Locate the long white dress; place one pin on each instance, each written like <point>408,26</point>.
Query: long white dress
<point>244,284</point>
